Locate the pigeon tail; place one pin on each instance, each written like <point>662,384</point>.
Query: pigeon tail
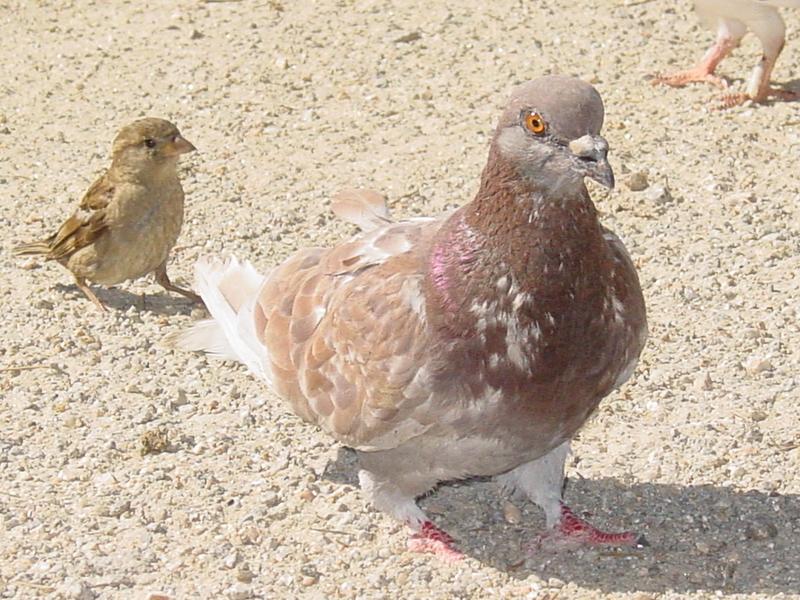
<point>230,291</point>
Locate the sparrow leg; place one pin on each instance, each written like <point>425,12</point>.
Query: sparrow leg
<point>542,480</point>
<point>163,280</point>
<point>390,498</point>
<point>728,36</point>
<point>87,291</point>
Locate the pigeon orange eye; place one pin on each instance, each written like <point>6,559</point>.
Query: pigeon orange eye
<point>535,123</point>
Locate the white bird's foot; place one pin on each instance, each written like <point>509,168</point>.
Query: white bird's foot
<point>737,99</point>
<point>698,74</point>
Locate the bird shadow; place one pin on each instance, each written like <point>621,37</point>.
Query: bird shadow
<point>791,86</point>
<point>703,537</point>
<point>116,299</point>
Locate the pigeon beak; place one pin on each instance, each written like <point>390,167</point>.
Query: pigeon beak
<point>590,152</point>
<point>178,145</point>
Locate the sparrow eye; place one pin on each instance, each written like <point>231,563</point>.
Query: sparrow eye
<point>535,123</point>
<point>150,143</point>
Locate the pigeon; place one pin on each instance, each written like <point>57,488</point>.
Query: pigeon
<point>476,343</point>
<point>130,218</point>
<point>732,19</point>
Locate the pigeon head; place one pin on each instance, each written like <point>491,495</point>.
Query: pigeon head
<point>148,143</point>
<point>550,132</point>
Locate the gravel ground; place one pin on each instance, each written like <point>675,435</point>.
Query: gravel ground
<point>130,470</point>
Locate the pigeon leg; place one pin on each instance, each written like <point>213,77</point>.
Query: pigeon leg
<point>542,481</point>
<point>394,499</point>
<point>163,280</point>
<point>87,291</point>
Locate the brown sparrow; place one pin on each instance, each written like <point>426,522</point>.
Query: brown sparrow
<point>130,218</point>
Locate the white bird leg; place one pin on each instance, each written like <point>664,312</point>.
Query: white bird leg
<point>390,498</point>
<point>542,481</point>
<point>729,34</point>
<point>771,31</point>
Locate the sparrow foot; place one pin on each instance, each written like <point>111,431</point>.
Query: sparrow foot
<point>573,532</point>
<point>87,291</point>
<point>163,280</point>
<point>431,538</point>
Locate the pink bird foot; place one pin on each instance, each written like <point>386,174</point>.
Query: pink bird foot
<point>731,100</point>
<point>572,532</point>
<point>682,78</point>
<point>431,538</point>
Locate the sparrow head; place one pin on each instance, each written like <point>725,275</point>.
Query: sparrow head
<point>551,132</point>
<point>149,142</point>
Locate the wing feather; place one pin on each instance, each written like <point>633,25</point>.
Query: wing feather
<point>365,208</point>
<point>82,229</point>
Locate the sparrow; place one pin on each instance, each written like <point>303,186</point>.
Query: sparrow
<point>732,19</point>
<point>130,218</point>
<point>475,343</point>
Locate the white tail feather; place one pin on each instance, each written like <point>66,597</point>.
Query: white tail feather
<point>204,336</point>
<point>230,292</point>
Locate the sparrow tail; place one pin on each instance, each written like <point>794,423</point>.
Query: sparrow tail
<point>41,247</point>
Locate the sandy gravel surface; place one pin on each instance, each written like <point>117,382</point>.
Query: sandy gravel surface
<point>128,469</point>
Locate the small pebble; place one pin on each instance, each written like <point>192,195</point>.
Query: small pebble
<point>511,513</point>
<point>637,181</point>
<point>244,574</point>
<point>239,591</point>
<point>230,560</point>
<point>658,194</point>
<point>702,382</point>
<point>760,529</point>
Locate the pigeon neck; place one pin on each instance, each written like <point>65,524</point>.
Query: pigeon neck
<point>515,236</point>
<point>509,201</point>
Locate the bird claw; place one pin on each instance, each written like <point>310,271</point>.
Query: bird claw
<point>682,78</point>
<point>573,532</point>
<point>727,101</point>
<point>738,99</point>
<point>431,538</point>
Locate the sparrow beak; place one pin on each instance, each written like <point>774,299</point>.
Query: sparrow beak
<point>178,145</point>
<point>590,152</point>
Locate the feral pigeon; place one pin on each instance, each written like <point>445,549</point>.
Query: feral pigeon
<point>471,344</point>
<point>130,218</point>
<point>732,19</point>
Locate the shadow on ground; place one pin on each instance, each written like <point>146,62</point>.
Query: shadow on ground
<point>118,300</point>
<point>703,537</point>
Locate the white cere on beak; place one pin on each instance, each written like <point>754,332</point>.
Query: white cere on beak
<point>589,146</point>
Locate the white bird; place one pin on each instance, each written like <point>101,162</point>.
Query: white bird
<point>732,19</point>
